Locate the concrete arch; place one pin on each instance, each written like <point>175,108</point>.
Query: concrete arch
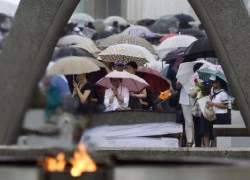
<point>37,27</point>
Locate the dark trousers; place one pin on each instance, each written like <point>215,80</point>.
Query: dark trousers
<point>197,133</point>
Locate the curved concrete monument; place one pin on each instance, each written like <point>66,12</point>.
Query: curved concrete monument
<point>227,24</point>
<point>37,27</point>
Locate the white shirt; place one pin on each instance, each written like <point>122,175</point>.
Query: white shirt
<point>220,98</point>
<point>112,107</point>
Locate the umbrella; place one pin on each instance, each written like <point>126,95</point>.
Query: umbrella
<point>74,39</point>
<point>201,48</point>
<point>193,32</point>
<point>101,35</point>
<point>9,7</point>
<point>73,65</point>
<point>164,26</point>
<point>185,72</point>
<point>136,30</point>
<point>81,18</point>
<point>131,81</point>
<point>90,47</point>
<point>70,51</point>
<point>172,56</point>
<point>111,19</point>
<point>126,39</point>
<point>216,70</point>
<point>184,18</point>
<point>126,53</point>
<point>167,36</point>
<point>88,32</point>
<point>157,82</point>
<point>145,22</point>
<point>173,43</point>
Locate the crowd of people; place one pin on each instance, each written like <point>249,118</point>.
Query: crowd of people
<point>88,97</point>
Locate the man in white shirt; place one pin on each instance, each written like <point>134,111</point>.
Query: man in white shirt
<point>116,97</point>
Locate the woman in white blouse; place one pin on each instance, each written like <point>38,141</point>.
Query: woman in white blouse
<point>116,97</point>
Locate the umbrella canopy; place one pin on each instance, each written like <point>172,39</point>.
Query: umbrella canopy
<point>111,19</point>
<point>73,65</point>
<point>9,7</point>
<point>166,37</point>
<point>70,51</point>
<point>126,53</point>
<point>145,22</point>
<point>164,26</point>
<point>201,48</point>
<point>70,40</point>
<point>138,31</point>
<point>81,18</point>
<point>90,47</point>
<point>185,72</point>
<point>216,70</point>
<point>173,43</point>
<point>157,82</point>
<point>172,56</point>
<point>184,18</point>
<point>131,81</point>
<point>193,32</point>
<point>101,35</point>
<point>126,39</point>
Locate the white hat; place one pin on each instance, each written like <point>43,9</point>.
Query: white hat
<point>212,78</point>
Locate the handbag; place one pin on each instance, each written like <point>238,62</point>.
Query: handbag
<point>71,104</point>
<point>209,113</point>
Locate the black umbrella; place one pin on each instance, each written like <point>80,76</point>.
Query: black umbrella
<point>70,51</point>
<point>184,17</point>
<point>165,26</point>
<point>145,22</point>
<point>193,32</point>
<point>201,48</point>
<point>172,56</point>
<point>101,35</point>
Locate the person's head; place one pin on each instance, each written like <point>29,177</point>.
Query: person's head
<point>115,24</point>
<point>218,83</point>
<point>131,67</point>
<point>197,66</point>
<point>119,66</point>
<point>116,82</point>
<point>81,77</point>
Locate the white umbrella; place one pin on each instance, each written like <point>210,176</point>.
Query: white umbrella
<point>81,18</point>
<point>90,47</point>
<point>126,53</point>
<point>136,30</point>
<point>185,72</point>
<point>109,20</point>
<point>70,40</point>
<point>9,7</point>
<point>130,81</point>
<point>173,43</point>
<point>73,65</point>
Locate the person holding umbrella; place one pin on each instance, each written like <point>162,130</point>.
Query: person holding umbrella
<point>117,96</point>
<point>134,99</point>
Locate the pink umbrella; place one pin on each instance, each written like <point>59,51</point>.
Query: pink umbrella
<point>130,81</point>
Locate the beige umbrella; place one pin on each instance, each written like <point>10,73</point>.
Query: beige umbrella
<point>90,47</point>
<point>73,65</point>
<point>70,40</point>
<point>126,53</point>
<point>125,39</point>
<point>109,20</point>
<point>100,64</point>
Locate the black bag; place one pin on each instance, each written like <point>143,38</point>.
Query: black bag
<point>173,100</point>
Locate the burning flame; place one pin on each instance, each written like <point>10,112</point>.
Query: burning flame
<point>55,164</point>
<point>81,162</point>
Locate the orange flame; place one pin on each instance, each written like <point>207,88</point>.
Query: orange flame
<point>81,162</point>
